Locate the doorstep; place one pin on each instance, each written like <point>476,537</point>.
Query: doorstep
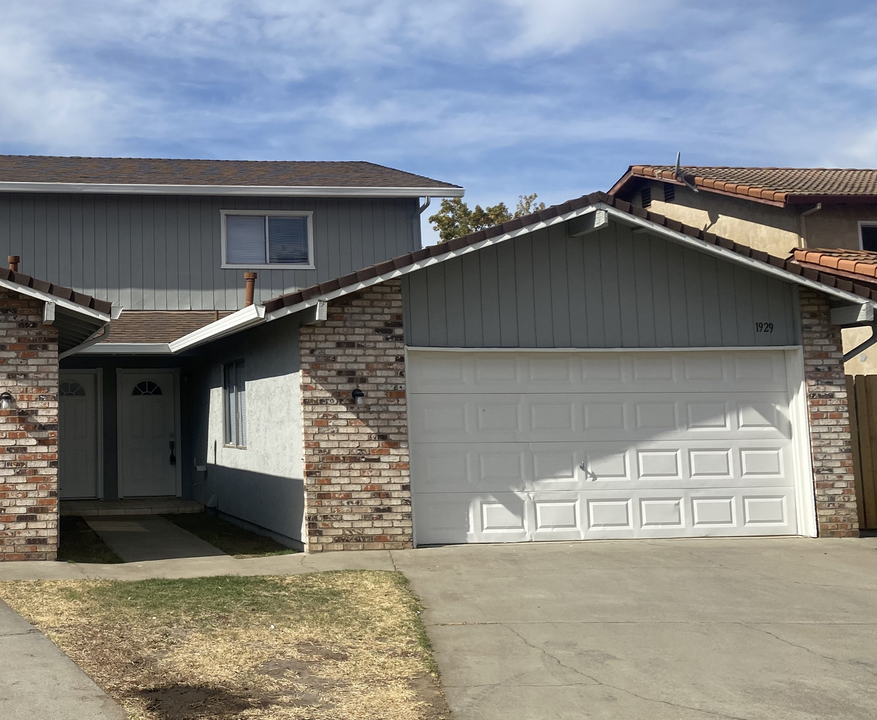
<point>130,506</point>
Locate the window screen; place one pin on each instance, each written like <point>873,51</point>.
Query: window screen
<point>256,240</point>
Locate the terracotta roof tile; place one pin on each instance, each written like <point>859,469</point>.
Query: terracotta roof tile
<point>155,171</point>
<point>158,326</point>
<point>784,185</point>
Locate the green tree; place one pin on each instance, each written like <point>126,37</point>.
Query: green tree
<point>455,219</point>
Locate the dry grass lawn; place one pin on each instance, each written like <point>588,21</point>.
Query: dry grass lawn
<point>336,645</point>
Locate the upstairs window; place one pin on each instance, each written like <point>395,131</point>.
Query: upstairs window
<point>255,239</point>
<point>235,400</point>
<point>868,236</point>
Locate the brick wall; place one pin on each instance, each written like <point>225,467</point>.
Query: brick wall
<point>28,432</point>
<point>357,492</point>
<point>830,442</point>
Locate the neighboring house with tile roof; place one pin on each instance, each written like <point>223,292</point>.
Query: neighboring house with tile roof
<point>594,370</point>
<point>773,209</point>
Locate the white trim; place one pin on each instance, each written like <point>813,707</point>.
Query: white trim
<point>178,449</point>
<point>309,214</point>
<point>110,348</point>
<point>720,348</point>
<point>805,488</point>
<point>237,321</point>
<point>232,190</point>
<point>860,225</point>
<point>49,298</point>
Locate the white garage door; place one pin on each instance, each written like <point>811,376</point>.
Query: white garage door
<point>516,446</point>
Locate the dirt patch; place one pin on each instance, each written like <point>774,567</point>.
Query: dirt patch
<point>326,646</point>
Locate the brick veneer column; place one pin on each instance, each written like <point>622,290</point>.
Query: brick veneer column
<point>28,432</point>
<point>357,492</point>
<point>829,416</point>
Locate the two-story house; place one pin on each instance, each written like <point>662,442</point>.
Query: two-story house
<point>772,209</point>
<point>593,370</point>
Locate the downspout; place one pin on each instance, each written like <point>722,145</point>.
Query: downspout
<point>803,218</point>
<point>425,205</point>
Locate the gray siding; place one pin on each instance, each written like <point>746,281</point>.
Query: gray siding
<point>164,253</point>
<point>605,290</point>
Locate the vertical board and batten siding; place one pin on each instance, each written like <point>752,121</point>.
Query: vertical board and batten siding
<point>154,252</point>
<point>611,289</point>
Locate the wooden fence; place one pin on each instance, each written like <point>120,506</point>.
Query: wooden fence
<point>862,393</point>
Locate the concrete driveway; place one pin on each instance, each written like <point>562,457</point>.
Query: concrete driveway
<point>684,629</point>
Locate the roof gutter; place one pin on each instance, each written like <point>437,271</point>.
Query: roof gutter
<point>241,320</point>
<point>108,348</point>
<point>231,190</point>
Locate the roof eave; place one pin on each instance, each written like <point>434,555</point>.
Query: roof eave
<point>231,190</point>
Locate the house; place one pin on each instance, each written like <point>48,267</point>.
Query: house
<point>772,209</point>
<point>594,370</point>
<point>173,244</point>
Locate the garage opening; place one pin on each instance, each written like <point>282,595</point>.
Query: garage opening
<point>564,445</point>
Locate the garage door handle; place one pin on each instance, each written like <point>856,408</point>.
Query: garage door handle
<point>590,475</point>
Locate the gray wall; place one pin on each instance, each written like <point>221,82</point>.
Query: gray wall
<point>164,253</point>
<point>262,484</point>
<point>605,290</point>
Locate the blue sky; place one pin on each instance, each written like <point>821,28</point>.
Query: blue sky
<point>501,96</point>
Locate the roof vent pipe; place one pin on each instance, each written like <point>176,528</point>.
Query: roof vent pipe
<point>13,261</point>
<point>250,281</point>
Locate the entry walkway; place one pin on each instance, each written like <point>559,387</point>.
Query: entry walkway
<point>137,538</point>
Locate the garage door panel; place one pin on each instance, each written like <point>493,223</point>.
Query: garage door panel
<point>474,418</point>
<point>568,446</point>
<point>549,372</point>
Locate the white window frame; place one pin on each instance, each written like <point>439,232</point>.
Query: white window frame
<point>309,214</point>
<point>240,417</point>
<point>865,223</point>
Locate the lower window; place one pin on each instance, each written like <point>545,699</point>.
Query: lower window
<point>235,394</point>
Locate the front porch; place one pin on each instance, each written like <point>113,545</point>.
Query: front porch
<point>130,506</point>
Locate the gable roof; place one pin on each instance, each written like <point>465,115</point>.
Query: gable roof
<point>822,280</point>
<point>37,173</point>
<point>784,186</point>
<point>449,249</point>
<point>77,316</point>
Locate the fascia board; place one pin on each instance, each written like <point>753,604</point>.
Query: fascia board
<point>230,190</point>
<point>240,320</point>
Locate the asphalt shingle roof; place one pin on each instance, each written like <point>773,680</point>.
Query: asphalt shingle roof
<point>148,171</point>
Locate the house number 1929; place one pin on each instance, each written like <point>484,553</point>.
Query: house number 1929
<point>764,327</point>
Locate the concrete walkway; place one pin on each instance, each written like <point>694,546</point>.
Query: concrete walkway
<point>138,538</point>
<point>37,680</point>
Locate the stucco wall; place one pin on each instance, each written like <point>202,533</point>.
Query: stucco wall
<point>769,228</point>
<point>261,484</point>
<point>838,226</point>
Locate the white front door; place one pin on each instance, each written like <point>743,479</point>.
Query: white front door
<point>517,446</point>
<point>78,473</point>
<point>147,437</point>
